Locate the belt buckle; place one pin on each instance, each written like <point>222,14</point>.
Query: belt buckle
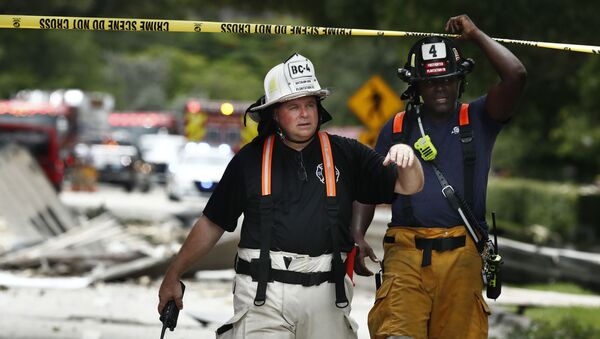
<point>448,188</point>
<point>311,279</point>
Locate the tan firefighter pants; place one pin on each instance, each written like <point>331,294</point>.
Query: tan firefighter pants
<point>440,300</point>
<point>290,310</point>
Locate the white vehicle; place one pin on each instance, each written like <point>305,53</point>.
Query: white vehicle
<point>160,151</point>
<point>198,170</point>
<point>114,163</point>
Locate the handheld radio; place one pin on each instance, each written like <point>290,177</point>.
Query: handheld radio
<point>169,314</point>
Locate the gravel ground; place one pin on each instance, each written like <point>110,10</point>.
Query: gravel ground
<point>128,311</point>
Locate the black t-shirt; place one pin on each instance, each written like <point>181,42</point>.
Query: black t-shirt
<point>300,218</point>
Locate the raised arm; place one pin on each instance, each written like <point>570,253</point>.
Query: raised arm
<point>502,97</point>
<point>202,238</point>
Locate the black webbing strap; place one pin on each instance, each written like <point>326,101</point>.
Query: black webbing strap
<point>401,129</point>
<point>401,135</point>
<point>263,263</point>
<point>331,204</point>
<point>478,233</point>
<point>468,147</point>
<point>438,245</point>
<point>265,209</point>
<point>338,268</point>
<point>288,277</point>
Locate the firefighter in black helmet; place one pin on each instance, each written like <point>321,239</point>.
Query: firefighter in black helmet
<point>432,281</point>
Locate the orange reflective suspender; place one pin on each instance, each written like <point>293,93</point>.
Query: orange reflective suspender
<point>328,166</point>
<point>463,118</point>
<point>398,119</point>
<point>398,124</point>
<point>266,166</point>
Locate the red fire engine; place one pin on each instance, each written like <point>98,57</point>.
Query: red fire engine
<point>43,129</point>
<point>218,122</point>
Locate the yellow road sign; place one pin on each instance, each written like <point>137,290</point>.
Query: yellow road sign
<point>368,137</point>
<point>375,102</point>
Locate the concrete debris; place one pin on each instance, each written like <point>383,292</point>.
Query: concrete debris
<point>100,250</point>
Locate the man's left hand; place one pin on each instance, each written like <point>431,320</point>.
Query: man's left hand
<point>401,154</point>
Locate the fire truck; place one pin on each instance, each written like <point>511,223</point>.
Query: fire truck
<point>218,122</point>
<point>69,116</point>
<point>86,116</point>
<point>41,129</point>
<point>132,125</point>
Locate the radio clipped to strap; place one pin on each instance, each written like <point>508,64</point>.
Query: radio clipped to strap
<point>426,148</point>
<point>423,144</point>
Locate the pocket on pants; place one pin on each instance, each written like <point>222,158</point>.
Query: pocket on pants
<point>381,309</point>
<point>384,289</point>
<point>226,330</point>
<point>479,325</point>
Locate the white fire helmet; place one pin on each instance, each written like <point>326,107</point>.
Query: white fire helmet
<point>292,79</point>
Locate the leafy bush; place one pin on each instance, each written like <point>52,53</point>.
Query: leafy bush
<point>563,209</point>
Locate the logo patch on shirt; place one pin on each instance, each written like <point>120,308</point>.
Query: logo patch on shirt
<point>321,176</point>
<point>455,130</point>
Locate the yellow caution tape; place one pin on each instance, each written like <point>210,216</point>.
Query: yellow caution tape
<point>158,25</point>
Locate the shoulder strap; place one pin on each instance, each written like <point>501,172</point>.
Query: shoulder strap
<point>328,166</point>
<point>398,132</point>
<point>266,166</point>
<point>265,206</point>
<point>337,266</point>
<point>400,135</point>
<point>466,140</point>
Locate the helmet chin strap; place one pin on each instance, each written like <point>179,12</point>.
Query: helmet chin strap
<point>286,137</point>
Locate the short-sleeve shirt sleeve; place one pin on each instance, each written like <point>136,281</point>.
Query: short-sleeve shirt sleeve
<point>228,199</point>
<point>375,183</point>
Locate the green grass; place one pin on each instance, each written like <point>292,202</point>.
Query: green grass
<point>585,316</point>
<point>559,287</point>
<point>561,322</point>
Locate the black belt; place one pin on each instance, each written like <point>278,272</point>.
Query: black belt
<point>436,244</point>
<point>287,277</point>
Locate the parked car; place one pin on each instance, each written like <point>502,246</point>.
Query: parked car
<point>117,163</point>
<point>198,170</point>
<point>160,150</point>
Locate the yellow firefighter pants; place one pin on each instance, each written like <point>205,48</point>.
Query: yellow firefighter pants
<point>441,300</point>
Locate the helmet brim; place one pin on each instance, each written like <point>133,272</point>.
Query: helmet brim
<point>441,76</point>
<point>321,94</point>
<point>255,112</point>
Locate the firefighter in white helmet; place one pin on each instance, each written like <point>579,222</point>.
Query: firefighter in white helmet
<point>295,187</point>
